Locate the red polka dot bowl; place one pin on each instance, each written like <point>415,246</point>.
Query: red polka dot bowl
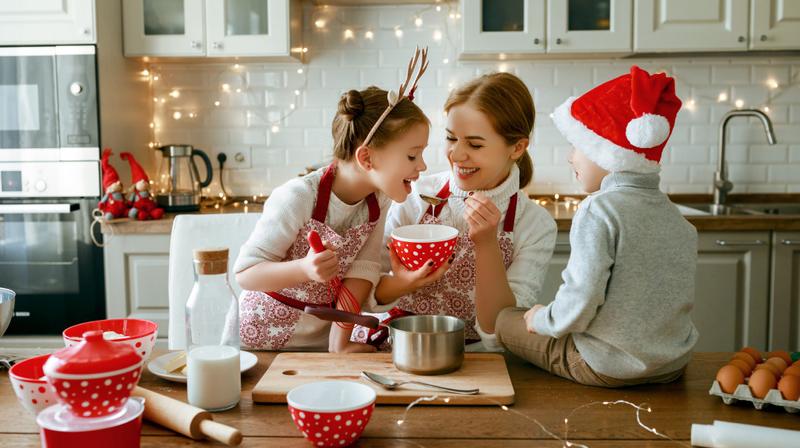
<point>30,385</point>
<point>331,413</point>
<point>138,333</point>
<point>94,378</point>
<point>417,244</point>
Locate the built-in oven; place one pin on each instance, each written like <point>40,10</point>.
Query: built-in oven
<point>49,184</point>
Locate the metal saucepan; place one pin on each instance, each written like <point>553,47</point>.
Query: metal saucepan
<point>6,308</point>
<point>427,345</point>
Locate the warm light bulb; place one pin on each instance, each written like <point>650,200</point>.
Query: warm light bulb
<point>145,72</point>
<point>723,96</point>
<point>236,66</point>
<point>216,103</point>
<point>398,32</point>
<point>437,35</point>
<point>297,92</point>
<point>155,78</point>
<point>739,103</point>
<point>152,125</point>
<point>299,71</point>
<point>452,15</point>
<point>319,23</point>
<point>275,129</point>
<point>369,35</point>
<point>438,8</point>
<point>177,115</point>
<point>772,83</point>
<point>445,61</point>
<point>155,100</point>
<point>690,105</point>
<point>238,90</point>
<point>766,108</point>
<point>418,22</point>
<point>175,93</point>
<point>348,34</point>
<point>226,87</point>
<point>502,68</point>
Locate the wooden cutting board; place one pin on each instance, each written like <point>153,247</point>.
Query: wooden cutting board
<point>486,371</point>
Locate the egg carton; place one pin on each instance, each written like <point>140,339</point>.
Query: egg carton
<point>742,393</point>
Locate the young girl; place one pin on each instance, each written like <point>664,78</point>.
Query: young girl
<point>505,240</point>
<point>377,154</point>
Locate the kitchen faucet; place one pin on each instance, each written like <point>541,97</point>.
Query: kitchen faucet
<point>721,183</point>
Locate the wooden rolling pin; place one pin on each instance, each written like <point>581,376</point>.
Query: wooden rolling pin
<point>185,419</point>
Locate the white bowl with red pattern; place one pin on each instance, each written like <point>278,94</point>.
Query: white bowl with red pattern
<point>331,413</point>
<point>418,244</point>
<point>138,333</point>
<point>28,381</point>
<point>94,378</point>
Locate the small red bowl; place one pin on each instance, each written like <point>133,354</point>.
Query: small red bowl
<point>60,428</point>
<point>331,413</point>
<point>96,395</point>
<point>27,379</point>
<point>418,243</point>
<point>139,333</point>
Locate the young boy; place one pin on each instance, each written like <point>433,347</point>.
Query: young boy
<point>622,315</point>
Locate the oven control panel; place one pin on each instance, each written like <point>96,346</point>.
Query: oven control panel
<point>49,179</point>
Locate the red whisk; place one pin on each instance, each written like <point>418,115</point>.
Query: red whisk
<point>341,297</point>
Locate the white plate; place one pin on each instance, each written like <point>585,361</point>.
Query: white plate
<point>246,362</point>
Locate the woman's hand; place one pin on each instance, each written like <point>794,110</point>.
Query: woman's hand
<point>529,315</point>
<point>482,216</point>
<point>423,276</point>
<point>351,347</point>
<point>320,267</point>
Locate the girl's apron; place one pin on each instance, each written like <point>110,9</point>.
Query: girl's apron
<point>275,320</point>
<point>454,293</point>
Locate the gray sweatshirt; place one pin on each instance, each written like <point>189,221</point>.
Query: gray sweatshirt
<point>629,284</point>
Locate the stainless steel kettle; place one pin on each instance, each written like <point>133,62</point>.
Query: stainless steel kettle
<point>179,184</point>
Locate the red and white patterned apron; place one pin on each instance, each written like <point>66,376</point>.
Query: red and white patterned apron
<point>275,320</point>
<point>454,293</point>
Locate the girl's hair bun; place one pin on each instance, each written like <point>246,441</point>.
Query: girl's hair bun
<point>351,105</point>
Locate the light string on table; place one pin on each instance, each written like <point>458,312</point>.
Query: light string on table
<point>565,439</point>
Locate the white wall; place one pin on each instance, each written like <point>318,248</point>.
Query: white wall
<point>243,121</point>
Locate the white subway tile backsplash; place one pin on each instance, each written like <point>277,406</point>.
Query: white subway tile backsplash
<point>244,121</point>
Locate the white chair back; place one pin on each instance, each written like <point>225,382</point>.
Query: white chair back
<point>191,232</point>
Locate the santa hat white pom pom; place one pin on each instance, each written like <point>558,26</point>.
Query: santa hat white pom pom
<point>647,131</point>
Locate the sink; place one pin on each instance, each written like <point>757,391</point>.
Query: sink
<point>773,209</point>
<point>711,209</point>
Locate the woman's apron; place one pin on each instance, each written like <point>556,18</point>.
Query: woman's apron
<point>454,293</point>
<point>275,320</point>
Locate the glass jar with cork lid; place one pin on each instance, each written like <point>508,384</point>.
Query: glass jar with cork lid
<point>212,334</point>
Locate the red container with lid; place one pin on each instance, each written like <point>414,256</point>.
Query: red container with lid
<point>94,378</point>
<point>60,428</point>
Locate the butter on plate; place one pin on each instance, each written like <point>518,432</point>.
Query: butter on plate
<point>176,364</point>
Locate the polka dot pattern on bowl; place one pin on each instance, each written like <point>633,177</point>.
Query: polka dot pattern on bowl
<point>332,429</point>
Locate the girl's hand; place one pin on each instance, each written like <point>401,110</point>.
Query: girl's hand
<point>482,216</point>
<point>423,276</point>
<point>320,267</point>
<point>351,347</point>
<point>529,317</point>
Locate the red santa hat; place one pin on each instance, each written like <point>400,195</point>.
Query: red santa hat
<point>137,172</point>
<point>110,175</point>
<point>623,124</point>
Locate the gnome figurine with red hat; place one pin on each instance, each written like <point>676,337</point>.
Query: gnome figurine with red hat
<point>143,206</point>
<point>113,203</point>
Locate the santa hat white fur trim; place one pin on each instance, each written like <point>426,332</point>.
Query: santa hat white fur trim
<point>647,131</point>
<point>605,153</point>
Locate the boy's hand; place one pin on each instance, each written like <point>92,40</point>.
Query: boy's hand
<point>482,216</point>
<point>320,267</point>
<point>529,317</point>
<point>419,278</point>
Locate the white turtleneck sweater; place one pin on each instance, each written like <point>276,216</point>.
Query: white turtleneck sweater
<point>533,238</point>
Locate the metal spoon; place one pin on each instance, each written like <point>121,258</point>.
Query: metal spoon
<point>390,384</point>
<point>434,200</point>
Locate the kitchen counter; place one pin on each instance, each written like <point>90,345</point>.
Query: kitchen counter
<point>562,211</point>
<point>539,396</point>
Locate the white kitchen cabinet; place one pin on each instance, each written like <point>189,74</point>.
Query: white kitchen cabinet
<point>731,284</point>
<point>785,292</point>
<point>583,26</point>
<point>47,22</point>
<point>774,24</point>
<point>510,26</point>
<point>731,302</point>
<point>136,277</point>
<point>690,25</point>
<point>213,28</point>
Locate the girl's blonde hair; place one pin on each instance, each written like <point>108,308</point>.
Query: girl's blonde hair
<point>508,105</point>
<point>357,113</point>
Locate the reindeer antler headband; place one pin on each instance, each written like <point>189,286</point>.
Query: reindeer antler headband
<point>421,57</point>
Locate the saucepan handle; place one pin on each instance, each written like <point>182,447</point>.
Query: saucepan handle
<point>334,315</point>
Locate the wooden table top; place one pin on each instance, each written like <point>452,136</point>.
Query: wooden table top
<point>539,396</point>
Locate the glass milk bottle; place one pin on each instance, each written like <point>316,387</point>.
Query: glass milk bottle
<point>212,334</point>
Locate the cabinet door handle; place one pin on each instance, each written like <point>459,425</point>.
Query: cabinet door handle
<point>195,44</point>
<point>536,41</point>
<point>763,38</point>
<point>217,45</point>
<point>739,243</point>
<point>558,41</point>
<point>790,242</point>
<point>741,39</point>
